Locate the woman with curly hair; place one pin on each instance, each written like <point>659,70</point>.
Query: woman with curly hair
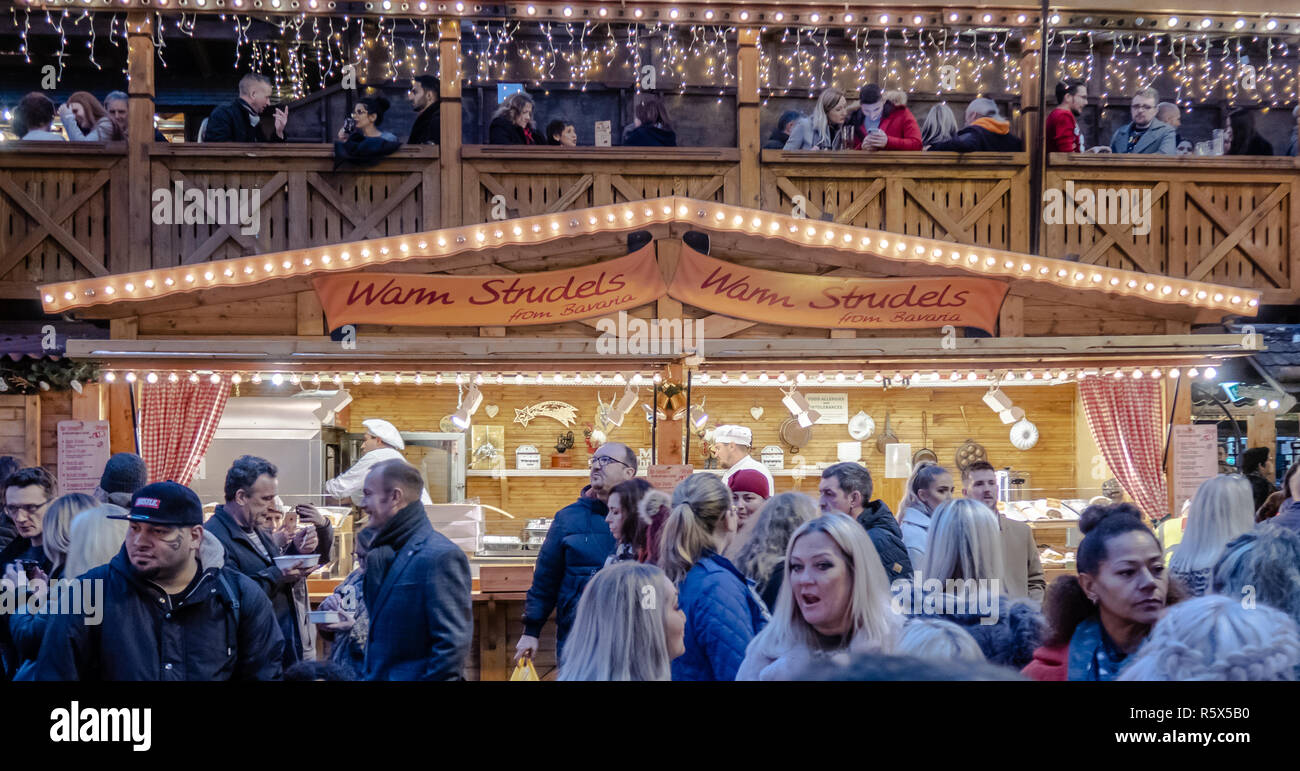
<point>1215,638</point>
<point>762,557</point>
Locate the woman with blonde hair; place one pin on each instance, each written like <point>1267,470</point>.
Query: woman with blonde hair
<point>57,528</point>
<point>628,627</point>
<point>929,487</point>
<point>762,557</point>
<point>964,552</point>
<point>94,539</point>
<point>1216,638</point>
<point>935,638</point>
<point>836,598</point>
<point>722,612</point>
<point>940,125</point>
<point>824,128</point>
<point>1221,510</point>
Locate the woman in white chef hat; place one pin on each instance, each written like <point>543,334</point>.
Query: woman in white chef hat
<point>382,443</point>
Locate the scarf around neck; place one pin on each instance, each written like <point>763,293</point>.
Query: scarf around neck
<point>388,542</point>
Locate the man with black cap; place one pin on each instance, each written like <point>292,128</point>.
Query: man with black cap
<point>250,490</point>
<point>124,473</point>
<point>174,611</point>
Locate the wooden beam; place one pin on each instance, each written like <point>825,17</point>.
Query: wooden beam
<point>87,405</point>
<point>121,415</point>
<point>1261,431</point>
<point>311,317</point>
<point>1011,317</point>
<point>32,429</point>
<point>749,138</point>
<point>449,144</point>
<point>139,140</point>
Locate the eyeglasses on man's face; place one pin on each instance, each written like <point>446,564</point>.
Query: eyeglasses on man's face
<point>601,461</point>
<point>29,509</point>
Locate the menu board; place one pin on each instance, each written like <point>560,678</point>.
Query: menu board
<point>665,477</point>
<point>1196,459</point>
<point>83,453</point>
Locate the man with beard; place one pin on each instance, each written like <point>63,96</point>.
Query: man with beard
<point>416,587</point>
<point>250,491</point>
<point>574,550</point>
<point>1023,570</point>
<point>170,610</point>
<point>1062,130</point>
<point>427,129</point>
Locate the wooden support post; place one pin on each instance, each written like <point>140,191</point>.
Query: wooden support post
<point>1011,318</point>
<point>311,317</point>
<point>88,405</point>
<point>32,429</point>
<point>449,161</point>
<point>671,433</point>
<point>139,139</point>
<point>121,415</point>
<point>1261,431</point>
<point>748,136</point>
<point>1178,392</point>
<point>1031,112</point>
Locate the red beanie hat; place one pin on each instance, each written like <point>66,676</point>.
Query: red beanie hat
<point>750,481</point>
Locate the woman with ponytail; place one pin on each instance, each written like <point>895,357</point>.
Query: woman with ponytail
<point>722,612</point>
<point>1101,617</point>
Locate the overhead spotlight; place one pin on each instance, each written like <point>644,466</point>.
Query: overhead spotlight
<point>1011,416</point>
<point>624,406</point>
<point>997,400</point>
<point>468,406</point>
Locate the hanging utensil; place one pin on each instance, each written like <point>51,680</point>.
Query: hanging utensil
<point>925,453</point>
<point>795,435</point>
<point>970,450</point>
<point>886,437</point>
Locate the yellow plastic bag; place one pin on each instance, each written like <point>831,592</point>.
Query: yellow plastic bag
<point>524,671</point>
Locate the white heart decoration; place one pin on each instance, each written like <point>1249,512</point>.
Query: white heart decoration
<point>757,412</point>
<point>491,410</point>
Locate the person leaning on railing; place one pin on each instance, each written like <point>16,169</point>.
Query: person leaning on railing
<point>653,127</point>
<point>985,131</point>
<point>513,122</point>
<point>826,128</point>
<point>33,117</point>
<point>239,121</point>
<point>883,122</point>
<point>940,125</point>
<point>85,119</point>
<point>1145,134</point>
<point>1062,130</point>
<point>366,144</point>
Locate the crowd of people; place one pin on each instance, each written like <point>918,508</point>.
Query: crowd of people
<point>717,579</point>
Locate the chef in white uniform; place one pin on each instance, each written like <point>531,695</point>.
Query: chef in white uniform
<point>382,443</point>
<point>733,445</point>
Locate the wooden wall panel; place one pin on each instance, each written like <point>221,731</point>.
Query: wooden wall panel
<point>266,316</point>
<point>1051,463</point>
<point>55,407</point>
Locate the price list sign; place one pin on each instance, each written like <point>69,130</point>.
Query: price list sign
<point>83,452</point>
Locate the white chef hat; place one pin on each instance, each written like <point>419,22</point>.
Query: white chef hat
<point>737,434</point>
<point>386,432</point>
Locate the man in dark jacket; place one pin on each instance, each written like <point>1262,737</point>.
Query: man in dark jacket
<point>28,492</point>
<point>1257,466</point>
<point>124,473</point>
<point>846,489</point>
<point>985,131</point>
<point>238,121</point>
<point>575,548</point>
<point>427,129</point>
<point>173,611</point>
<point>416,587</point>
<point>250,490</point>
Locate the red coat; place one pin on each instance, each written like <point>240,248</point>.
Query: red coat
<point>1049,664</point>
<point>901,128</point>
<point>1062,132</point>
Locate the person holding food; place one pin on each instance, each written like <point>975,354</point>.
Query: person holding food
<point>250,492</point>
<point>383,442</point>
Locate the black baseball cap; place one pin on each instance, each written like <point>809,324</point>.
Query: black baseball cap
<point>164,503</point>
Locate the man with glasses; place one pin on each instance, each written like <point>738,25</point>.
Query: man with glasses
<point>28,493</point>
<point>1145,134</point>
<point>576,546</point>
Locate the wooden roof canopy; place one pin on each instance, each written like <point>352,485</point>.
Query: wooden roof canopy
<point>602,230</point>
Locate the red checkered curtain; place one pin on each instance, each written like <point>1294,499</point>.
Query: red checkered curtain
<point>1124,418</point>
<point>177,422</point>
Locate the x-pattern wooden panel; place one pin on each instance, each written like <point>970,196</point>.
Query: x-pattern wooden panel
<point>1236,233</point>
<point>956,229</point>
<point>861,200</point>
<point>49,224</point>
<point>1113,234</point>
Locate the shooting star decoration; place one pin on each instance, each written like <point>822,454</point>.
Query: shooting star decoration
<point>566,414</point>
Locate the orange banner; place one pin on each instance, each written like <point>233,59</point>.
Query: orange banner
<point>835,303</point>
<point>509,300</point>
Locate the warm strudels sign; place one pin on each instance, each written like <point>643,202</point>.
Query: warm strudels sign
<point>835,302</point>
<point>508,300</point>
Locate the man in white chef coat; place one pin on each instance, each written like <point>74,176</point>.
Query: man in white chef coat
<point>382,443</point>
<point>733,445</point>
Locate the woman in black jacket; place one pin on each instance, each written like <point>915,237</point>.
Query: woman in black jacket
<point>653,128</point>
<point>366,144</point>
<point>1242,137</point>
<point>513,122</point>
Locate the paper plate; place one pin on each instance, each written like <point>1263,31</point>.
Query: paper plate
<point>861,426</point>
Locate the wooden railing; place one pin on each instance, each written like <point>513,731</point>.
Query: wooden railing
<point>519,182</point>
<point>1228,220</point>
<point>976,198</point>
<point>64,207</point>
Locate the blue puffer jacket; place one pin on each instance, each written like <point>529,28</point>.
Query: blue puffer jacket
<point>722,616</point>
<point>574,549</point>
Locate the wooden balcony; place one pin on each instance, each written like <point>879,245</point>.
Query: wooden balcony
<point>64,209</point>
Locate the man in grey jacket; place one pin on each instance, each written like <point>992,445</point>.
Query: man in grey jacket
<point>1023,570</point>
<point>1145,134</point>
